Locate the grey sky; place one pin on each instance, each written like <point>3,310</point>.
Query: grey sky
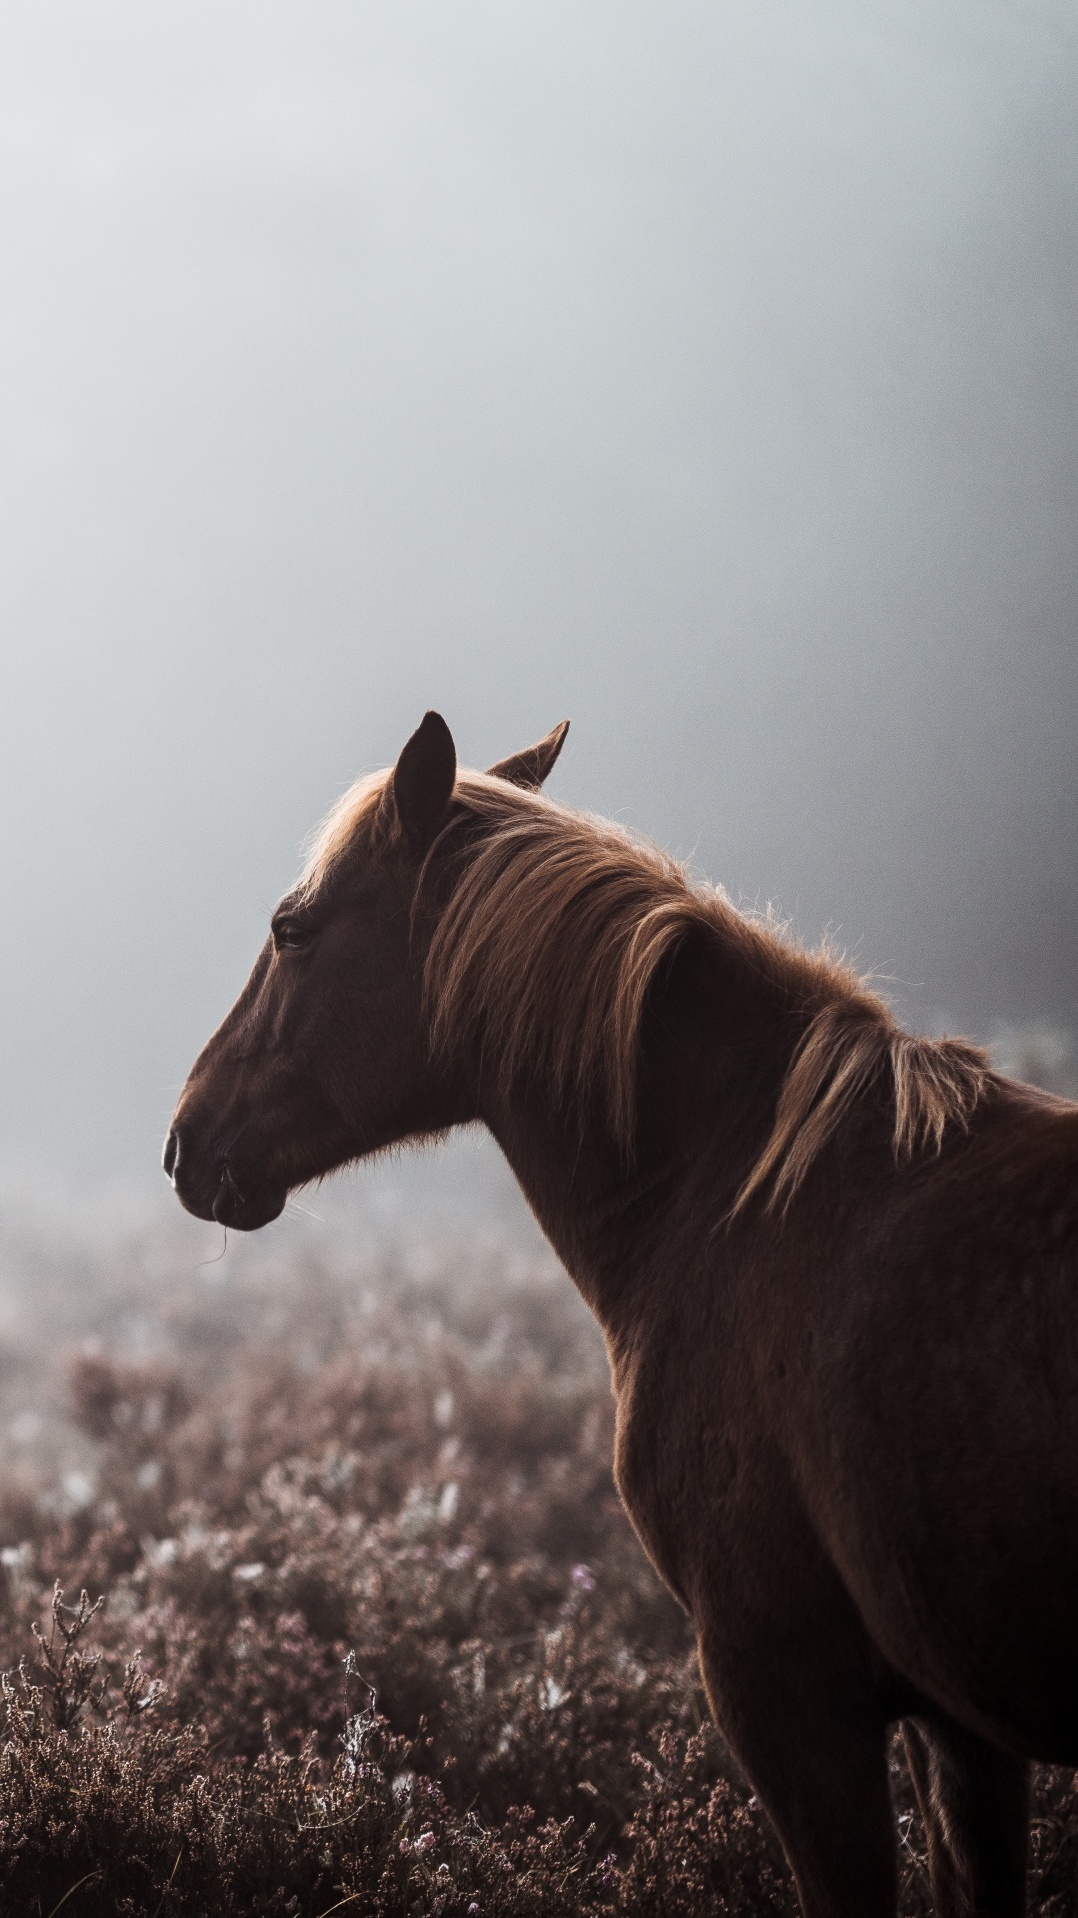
<point>706,373</point>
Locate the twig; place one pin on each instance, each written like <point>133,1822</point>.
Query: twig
<point>171,1876</point>
<point>72,1889</point>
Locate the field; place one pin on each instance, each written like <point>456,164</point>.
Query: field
<point>365,1628</point>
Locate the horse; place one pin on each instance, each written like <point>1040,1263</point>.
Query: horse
<point>835,1265</point>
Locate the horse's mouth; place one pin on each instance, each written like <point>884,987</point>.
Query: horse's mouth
<point>220,1192</point>
<point>247,1210</point>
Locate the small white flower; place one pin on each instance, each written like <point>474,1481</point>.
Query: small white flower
<point>78,1490</point>
<point>159,1552</point>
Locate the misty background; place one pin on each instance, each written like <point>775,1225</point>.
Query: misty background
<point>707,374</point>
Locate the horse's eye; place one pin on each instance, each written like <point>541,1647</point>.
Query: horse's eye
<point>291,935</point>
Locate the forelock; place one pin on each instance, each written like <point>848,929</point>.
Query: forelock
<point>355,811</point>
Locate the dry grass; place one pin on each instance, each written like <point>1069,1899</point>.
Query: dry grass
<point>375,1635</point>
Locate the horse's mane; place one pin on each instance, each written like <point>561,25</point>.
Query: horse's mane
<point>553,931</point>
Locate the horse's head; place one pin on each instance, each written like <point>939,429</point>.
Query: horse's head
<point>326,1055</point>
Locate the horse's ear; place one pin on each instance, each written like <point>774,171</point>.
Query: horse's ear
<point>423,778</point>
<point>531,767</point>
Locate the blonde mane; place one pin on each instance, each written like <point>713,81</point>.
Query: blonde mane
<point>332,839</point>
<point>557,924</point>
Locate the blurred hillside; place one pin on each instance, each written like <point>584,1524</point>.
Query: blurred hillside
<point>374,1630</point>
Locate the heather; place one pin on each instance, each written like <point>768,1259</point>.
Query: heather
<point>364,1627</point>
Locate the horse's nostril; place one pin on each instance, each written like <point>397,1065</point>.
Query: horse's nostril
<point>170,1154</point>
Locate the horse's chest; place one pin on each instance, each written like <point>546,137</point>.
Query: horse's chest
<point>680,1460</point>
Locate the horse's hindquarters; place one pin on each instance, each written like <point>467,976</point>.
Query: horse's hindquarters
<point>952,1520</point>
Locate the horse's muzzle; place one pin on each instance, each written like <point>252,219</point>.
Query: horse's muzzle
<point>210,1188</point>
<point>170,1153</point>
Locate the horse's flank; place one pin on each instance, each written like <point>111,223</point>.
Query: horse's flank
<point>554,929</point>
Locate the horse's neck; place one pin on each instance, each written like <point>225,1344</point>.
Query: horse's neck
<point>714,1050</point>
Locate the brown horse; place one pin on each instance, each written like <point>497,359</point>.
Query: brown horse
<point>836,1267</point>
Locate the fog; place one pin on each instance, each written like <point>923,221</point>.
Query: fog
<point>705,373</point>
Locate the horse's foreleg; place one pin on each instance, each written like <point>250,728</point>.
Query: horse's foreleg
<point>814,1745</point>
<point>975,1803</point>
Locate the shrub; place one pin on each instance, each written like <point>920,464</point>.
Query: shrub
<point>373,1632</point>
